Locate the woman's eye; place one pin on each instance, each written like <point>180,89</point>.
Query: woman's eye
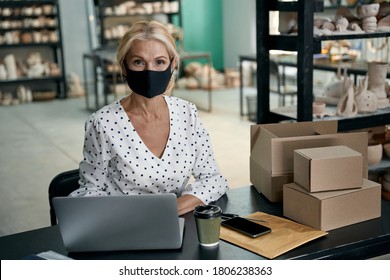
<point>137,62</point>
<point>160,62</point>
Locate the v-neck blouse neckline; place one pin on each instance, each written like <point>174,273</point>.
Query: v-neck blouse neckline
<point>127,121</point>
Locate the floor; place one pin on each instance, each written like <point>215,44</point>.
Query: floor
<point>41,139</point>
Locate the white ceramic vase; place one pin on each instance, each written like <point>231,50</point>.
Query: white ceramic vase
<point>10,64</point>
<point>374,153</point>
<point>377,72</point>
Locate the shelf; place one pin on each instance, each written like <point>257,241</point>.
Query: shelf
<point>289,42</point>
<point>383,165</point>
<point>21,3</point>
<point>352,36</point>
<point>56,44</point>
<point>31,80</point>
<point>14,17</point>
<point>22,15</point>
<point>26,29</point>
<point>286,42</point>
<point>305,44</point>
<point>361,121</point>
<point>318,6</point>
<point>138,15</point>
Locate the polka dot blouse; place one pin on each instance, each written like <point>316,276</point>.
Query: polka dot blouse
<point>117,162</point>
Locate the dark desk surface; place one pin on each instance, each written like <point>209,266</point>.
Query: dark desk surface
<point>360,241</point>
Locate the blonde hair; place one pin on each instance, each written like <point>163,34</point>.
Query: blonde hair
<point>147,30</point>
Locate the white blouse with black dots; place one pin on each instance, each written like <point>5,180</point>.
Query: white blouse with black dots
<point>117,162</point>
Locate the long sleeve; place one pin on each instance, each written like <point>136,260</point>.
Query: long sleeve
<point>209,184</point>
<point>93,167</point>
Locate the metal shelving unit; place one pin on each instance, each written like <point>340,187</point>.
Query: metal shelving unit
<point>306,45</point>
<point>54,47</point>
<point>101,7</point>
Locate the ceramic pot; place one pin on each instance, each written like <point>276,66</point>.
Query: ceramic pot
<point>366,101</point>
<point>377,72</point>
<point>318,107</point>
<point>374,153</point>
<point>47,9</point>
<point>10,64</point>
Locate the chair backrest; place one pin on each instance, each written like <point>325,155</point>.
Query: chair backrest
<point>62,185</point>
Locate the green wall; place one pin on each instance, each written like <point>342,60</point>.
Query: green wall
<point>202,28</point>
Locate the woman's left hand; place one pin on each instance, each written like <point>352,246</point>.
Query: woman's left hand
<point>187,203</point>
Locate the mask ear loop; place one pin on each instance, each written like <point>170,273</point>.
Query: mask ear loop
<point>172,79</point>
<point>123,76</point>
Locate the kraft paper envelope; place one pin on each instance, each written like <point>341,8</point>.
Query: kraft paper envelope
<point>285,236</point>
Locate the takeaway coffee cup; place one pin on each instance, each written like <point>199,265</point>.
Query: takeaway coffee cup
<point>208,223</point>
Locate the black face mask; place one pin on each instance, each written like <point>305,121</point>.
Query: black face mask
<point>148,83</point>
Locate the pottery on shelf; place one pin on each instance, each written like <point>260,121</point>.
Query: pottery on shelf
<point>329,26</point>
<point>74,85</point>
<point>10,64</point>
<point>355,27</point>
<point>35,65</point>
<point>341,24</point>
<point>24,94</point>
<point>377,84</point>
<point>366,101</point>
<point>335,88</point>
<point>346,106</point>
<point>368,14</point>
<point>374,153</point>
<point>319,107</point>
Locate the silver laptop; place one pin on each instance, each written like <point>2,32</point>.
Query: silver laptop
<point>111,223</point>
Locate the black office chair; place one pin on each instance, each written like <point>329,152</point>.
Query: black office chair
<point>280,88</point>
<point>62,185</point>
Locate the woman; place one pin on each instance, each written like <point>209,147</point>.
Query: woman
<point>149,142</point>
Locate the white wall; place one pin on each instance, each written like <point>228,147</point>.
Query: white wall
<point>239,30</point>
<point>75,34</point>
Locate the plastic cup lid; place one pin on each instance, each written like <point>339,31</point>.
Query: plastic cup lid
<point>207,211</point>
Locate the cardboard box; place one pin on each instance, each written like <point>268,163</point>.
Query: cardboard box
<point>262,180</point>
<point>273,146</point>
<point>328,168</point>
<point>333,209</point>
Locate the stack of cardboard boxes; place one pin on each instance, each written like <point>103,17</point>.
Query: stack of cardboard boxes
<point>328,190</point>
<point>273,148</point>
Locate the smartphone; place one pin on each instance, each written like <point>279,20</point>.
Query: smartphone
<point>246,227</point>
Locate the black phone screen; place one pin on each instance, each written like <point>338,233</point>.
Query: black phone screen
<point>246,227</point>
